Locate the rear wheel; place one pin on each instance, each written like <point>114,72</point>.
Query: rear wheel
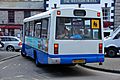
<point>10,48</point>
<point>111,52</point>
<point>23,54</point>
<point>36,60</point>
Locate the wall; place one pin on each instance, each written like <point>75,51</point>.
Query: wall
<point>117,13</point>
<point>3,17</point>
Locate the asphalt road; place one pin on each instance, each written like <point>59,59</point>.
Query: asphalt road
<point>4,55</point>
<point>20,68</point>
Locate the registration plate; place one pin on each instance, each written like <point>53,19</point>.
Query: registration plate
<point>78,61</point>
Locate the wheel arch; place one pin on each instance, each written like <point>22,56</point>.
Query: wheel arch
<point>9,45</point>
<point>106,48</point>
<point>34,53</point>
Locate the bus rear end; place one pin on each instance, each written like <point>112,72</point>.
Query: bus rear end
<point>78,38</point>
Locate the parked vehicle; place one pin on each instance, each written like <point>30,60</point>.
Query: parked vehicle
<point>112,43</point>
<point>1,44</point>
<point>11,43</point>
<point>107,32</point>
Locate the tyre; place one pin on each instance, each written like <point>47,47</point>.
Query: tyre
<point>17,50</point>
<point>23,55</point>
<point>36,60</point>
<point>111,52</point>
<point>10,48</point>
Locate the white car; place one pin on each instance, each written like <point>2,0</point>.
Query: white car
<point>11,43</point>
<point>112,43</point>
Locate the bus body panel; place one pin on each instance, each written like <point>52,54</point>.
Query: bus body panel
<point>78,47</point>
<point>63,57</point>
<point>70,13</point>
<point>46,58</point>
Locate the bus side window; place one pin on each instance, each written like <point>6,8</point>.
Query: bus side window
<point>26,28</point>
<point>44,28</point>
<point>31,29</point>
<point>38,29</point>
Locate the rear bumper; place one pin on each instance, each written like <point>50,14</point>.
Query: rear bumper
<point>68,59</point>
<point>18,47</point>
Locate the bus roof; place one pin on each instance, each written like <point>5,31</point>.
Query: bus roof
<point>37,16</point>
<point>47,14</point>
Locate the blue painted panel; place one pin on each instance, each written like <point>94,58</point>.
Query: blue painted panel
<point>42,57</point>
<point>89,58</point>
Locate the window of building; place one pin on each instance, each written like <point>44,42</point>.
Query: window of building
<point>112,11</point>
<point>113,4</point>
<point>112,17</point>
<point>11,32</point>
<point>106,13</point>
<point>27,14</point>
<point>11,15</point>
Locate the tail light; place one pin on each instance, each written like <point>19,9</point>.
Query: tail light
<point>55,48</point>
<point>20,44</point>
<point>58,12</point>
<point>100,47</point>
<point>98,14</point>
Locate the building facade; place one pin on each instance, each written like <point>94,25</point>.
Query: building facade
<point>106,6</point>
<point>117,13</point>
<point>12,13</point>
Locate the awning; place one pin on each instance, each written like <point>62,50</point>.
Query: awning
<point>10,27</point>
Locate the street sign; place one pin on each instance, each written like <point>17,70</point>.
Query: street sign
<point>80,1</point>
<point>95,24</point>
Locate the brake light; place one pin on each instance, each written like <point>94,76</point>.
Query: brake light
<point>100,47</point>
<point>20,44</point>
<point>98,14</point>
<point>55,48</point>
<point>58,12</point>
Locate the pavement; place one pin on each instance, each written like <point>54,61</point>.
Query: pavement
<point>109,65</point>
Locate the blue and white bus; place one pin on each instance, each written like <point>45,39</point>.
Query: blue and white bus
<point>64,36</point>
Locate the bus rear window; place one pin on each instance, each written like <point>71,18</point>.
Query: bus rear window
<point>78,28</point>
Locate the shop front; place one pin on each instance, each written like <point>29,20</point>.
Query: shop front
<point>10,30</point>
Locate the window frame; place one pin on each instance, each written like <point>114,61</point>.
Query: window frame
<point>46,27</point>
<point>27,28</point>
<point>35,22</point>
<point>106,13</point>
<point>34,29</point>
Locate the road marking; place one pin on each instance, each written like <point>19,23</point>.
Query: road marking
<point>35,79</point>
<point>8,58</point>
<point>5,67</point>
<point>1,62</point>
<point>19,76</point>
<point>19,64</point>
